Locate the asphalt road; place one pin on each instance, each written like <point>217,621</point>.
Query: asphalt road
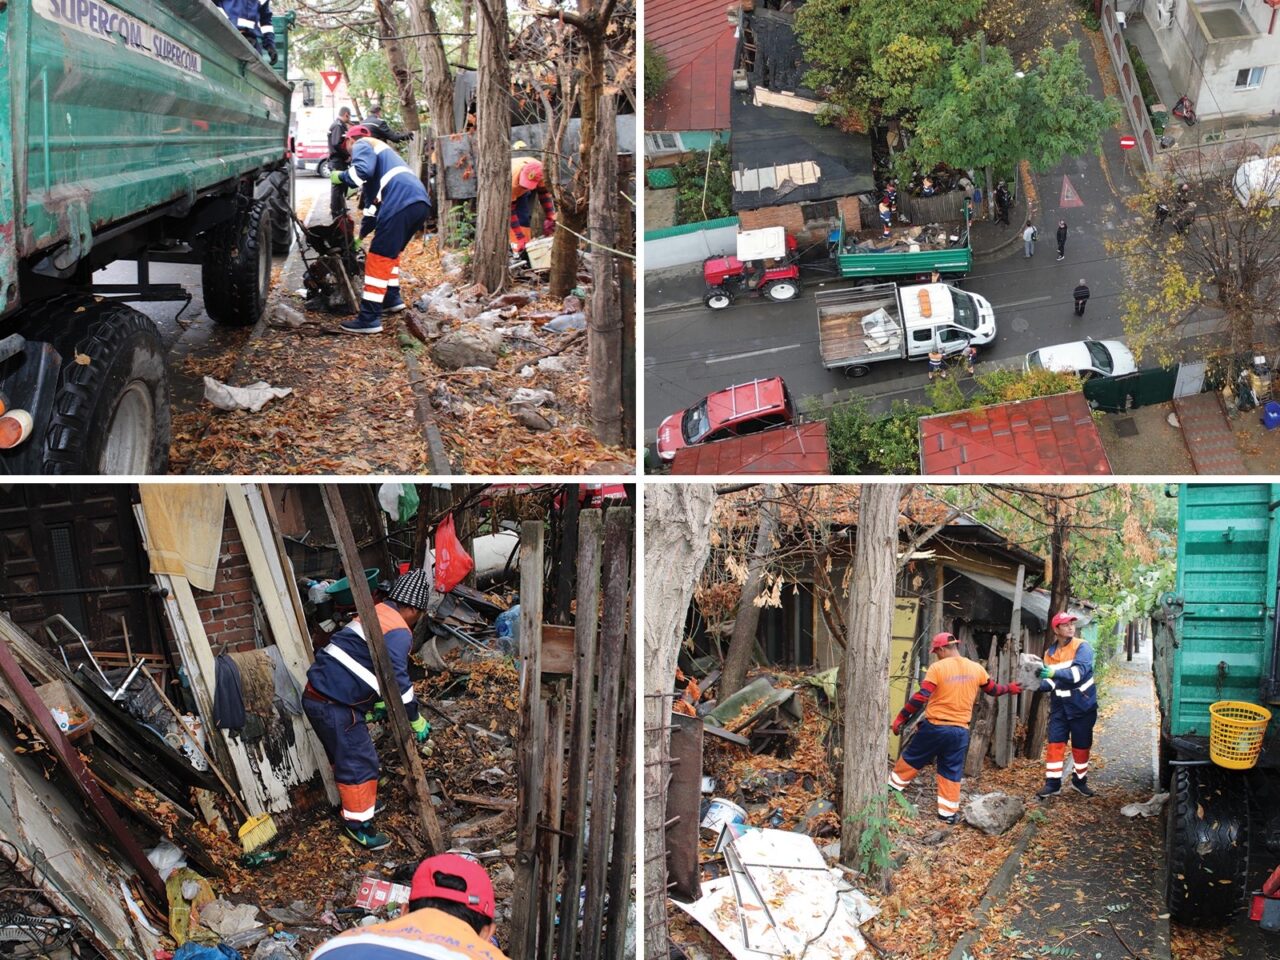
<point>691,351</point>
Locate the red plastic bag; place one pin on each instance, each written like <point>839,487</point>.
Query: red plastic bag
<point>453,563</point>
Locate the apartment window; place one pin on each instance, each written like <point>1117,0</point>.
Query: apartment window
<point>662,143</point>
<point>818,212</point>
<point>1250,79</point>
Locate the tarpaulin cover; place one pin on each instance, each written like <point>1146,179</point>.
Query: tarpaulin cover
<point>184,529</point>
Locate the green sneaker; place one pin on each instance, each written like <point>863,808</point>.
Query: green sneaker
<point>367,837</point>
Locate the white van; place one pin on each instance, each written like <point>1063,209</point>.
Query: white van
<point>1258,180</point>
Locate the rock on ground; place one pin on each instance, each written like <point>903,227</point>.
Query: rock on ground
<point>467,348</point>
<point>993,813</point>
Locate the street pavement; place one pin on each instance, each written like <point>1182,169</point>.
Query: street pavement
<point>190,332</point>
<point>691,351</point>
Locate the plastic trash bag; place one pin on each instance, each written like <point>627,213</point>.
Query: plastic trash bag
<point>453,563</point>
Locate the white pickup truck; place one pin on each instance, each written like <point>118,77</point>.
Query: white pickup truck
<point>859,326</point>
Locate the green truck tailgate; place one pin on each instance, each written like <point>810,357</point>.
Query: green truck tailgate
<point>116,109</point>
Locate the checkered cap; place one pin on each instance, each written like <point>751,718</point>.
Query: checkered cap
<point>413,589</point>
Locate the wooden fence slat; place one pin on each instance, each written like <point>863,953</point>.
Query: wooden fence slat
<point>624,831</point>
<point>548,842</point>
<point>524,908</point>
<point>617,581</point>
<point>586,633</point>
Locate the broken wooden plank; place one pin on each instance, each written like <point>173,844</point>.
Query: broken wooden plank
<point>585,631</point>
<point>38,716</point>
<point>557,650</point>
<point>549,823</point>
<point>622,861</point>
<point>524,908</point>
<point>405,739</point>
<point>488,803</point>
<point>617,582</point>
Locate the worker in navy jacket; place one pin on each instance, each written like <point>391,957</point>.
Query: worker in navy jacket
<point>1073,709</point>
<point>395,207</point>
<point>254,21</point>
<point>342,687</point>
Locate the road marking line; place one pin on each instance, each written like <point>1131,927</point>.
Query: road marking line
<point>753,353</point>
<point>1018,303</point>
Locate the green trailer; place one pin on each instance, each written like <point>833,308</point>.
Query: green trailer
<point>954,260</point>
<point>1217,639</point>
<point>136,130</point>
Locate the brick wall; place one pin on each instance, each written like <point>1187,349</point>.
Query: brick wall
<point>227,611</point>
<point>790,217</point>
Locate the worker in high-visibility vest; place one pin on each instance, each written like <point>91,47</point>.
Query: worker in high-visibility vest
<point>1073,710</point>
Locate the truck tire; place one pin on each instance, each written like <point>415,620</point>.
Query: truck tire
<point>782,290</point>
<point>282,216</point>
<point>111,414</point>
<point>856,371</point>
<point>1206,846</point>
<point>718,298</point>
<point>236,272</point>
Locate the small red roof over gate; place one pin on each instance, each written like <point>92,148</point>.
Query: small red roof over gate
<point>797,449</point>
<point>1053,436</point>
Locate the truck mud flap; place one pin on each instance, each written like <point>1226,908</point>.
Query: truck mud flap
<point>28,380</point>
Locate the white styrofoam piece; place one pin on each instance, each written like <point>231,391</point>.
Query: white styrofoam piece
<point>765,243</point>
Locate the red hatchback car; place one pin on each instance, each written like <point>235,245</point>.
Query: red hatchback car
<point>732,412</point>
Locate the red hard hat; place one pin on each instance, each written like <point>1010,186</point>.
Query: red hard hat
<point>941,640</point>
<point>1060,618</point>
<point>478,895</point>
<point>359,130</point>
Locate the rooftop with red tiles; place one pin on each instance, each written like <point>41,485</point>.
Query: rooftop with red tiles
<point>698,43</point>
<point>1049,436</point>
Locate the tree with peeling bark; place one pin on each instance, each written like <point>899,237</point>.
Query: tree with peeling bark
<point>677,536</point>
<point>437,85</point>
<point>742,642</point>
<point>864,675</point>
<point>491,254</point>
<point>389,37</point>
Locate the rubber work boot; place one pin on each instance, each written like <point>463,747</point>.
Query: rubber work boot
<point>393,303</point>
<point>368,320</point>
<point>366,836</point>
<point>1051,787</point>
<point>1081,785</point>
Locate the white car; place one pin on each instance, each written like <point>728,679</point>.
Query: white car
<point>1085,358</point>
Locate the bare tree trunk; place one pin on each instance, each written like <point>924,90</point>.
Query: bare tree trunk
<point>604,334</point>
<point>465,52</point>
<point>1059,595</point>
<point>437,85</point>
<point>743,641</point>
<point>492,148</point>
<point>574,198</point>
<point>865,674</point>
<point>388,31</point>
<point>677,536</point>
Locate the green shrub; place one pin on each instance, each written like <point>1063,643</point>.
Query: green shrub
<point>1143,75</point>
<point>690,173</point>
<point>656,72</point>
<point>862,443</point>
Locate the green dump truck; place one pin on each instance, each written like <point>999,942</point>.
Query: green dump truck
<point>943,248</point>
<point>1217,639</point>
<point>134,130</point>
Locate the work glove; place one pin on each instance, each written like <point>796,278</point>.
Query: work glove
<point>1046,672</point>
<point>1015,688</point>
<point>896,726</point>
<point>270,47</point>
<point>377,714</point>
<point>411,136</point>
<point>421,728</point>
<point>548,227</point>
<point>335,177</point>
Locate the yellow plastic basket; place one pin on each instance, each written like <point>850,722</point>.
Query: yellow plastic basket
<point>1235,733</point>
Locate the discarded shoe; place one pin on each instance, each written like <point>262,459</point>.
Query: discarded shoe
<point>1050,788</point>
<point>1081,785</point>
<point>367,837</point>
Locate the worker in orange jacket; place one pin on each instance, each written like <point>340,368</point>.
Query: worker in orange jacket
<point>947,693</point>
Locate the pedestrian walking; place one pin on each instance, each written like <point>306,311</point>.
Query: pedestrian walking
<point>1062,239</point>
<point>1003,202</point>
<point>1029,236</point>
<point>1081,297</point>
<point>1182,222</point>
<point>977,203</point>
<point>1162,213</point>
<point>886,217</point>
<point>937,366</point>
<point>971,359</point>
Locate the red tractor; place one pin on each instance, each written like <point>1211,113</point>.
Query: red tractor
<point>764,267</point>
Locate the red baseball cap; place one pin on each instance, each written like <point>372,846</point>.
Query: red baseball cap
<point>477,896</point>
<point>1060,618</point>
<point>941,640</point>
<point>359,130</point>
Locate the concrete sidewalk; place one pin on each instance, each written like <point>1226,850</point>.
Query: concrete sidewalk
<point>1092,880</point>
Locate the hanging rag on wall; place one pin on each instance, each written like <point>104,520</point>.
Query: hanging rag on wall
<point>228,698</point>
<point>288,693</point>
<point>257,680</point>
